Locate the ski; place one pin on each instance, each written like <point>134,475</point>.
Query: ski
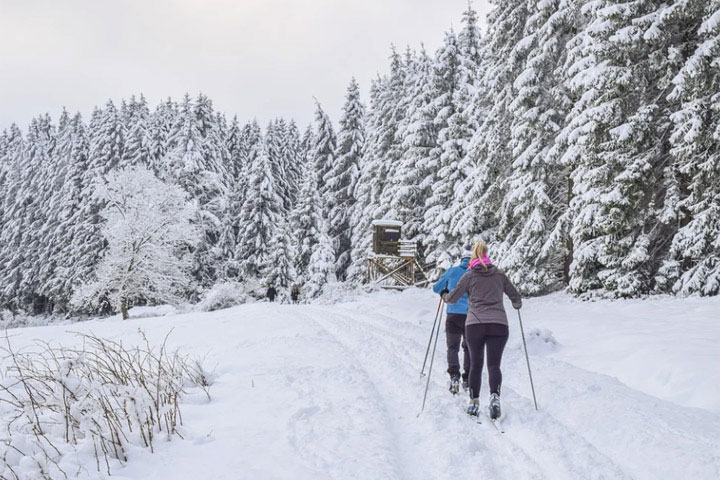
<point>497,424</point>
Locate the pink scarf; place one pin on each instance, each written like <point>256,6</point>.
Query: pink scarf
<point>485,260</point>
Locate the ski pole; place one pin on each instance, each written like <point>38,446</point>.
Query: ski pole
<point>432,332</point>
<point>432,359</point>
<point>527,359</point>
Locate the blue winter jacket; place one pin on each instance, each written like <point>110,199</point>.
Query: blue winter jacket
<point>448,281</point>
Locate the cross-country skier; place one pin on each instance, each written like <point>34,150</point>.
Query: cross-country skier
<point>486,328</point>
<point>455,323</point>
<point>295,293</point>
<point>271,292</point>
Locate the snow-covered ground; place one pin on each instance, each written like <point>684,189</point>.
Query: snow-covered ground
<point>630,389</point>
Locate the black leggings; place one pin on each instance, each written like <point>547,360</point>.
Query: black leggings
<point>478,336</point>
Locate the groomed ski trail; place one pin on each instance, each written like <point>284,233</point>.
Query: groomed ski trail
<point>388,353</point>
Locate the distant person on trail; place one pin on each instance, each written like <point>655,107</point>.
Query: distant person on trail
<point>271,292</point>
<point>486,327</point>
<point>295,293</point>
<point>455,323</point>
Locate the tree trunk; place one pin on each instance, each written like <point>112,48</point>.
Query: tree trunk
<point>124,308</point>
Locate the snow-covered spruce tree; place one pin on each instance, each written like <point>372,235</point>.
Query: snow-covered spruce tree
<point>418,135</point>
<point>692,201</point>
<point>442,246</point>
<point>617,147</point>
<point>11,248</point>
<point>260,216</point>
<point>536,188</point>
<point>323,145</point>
<point>291,148</point>
<point>275,137</point>
<point>65,217</point>
<point>280,269</point>
<point>31,210</point>
<point>394,100</point>
<point>196,160</point>
<point>213,146</point>
<point>136,116</point>
<point>235,148</point>
<point>4,171</point>
<point>383,149</point>
<point>463,122</point>
<point>322,264</point>
<point>160,127</point>
<point>306,218</point>
<point>480,193</point>
<point>148,228</point>
<point>341,178</point>
<point>306,147</point>
<point>366,193</point>
<point>456,124</point>
<point>241,157</point>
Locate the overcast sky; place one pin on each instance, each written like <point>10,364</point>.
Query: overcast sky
<point>254,58</point>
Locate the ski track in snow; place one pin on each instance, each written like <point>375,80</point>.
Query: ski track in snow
<point>546,457</point>
<point>333,392</point>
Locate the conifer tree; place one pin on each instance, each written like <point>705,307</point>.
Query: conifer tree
<point>306,218</point>
<point>692,201</point>
<point>137,149</point>
<point>367,190</point>
<point>418,134</point>
<point>442,245</point>
<point>160,126</point>
<point>291,149</point>
<point>616,146</point>
<point>65,217</point>
<point>323,145</point>
<point>11,246</point>
<point>341,178</point>
<point>281,257</point>
<point>536,187</point>
<point>260,216</point>
<point>322,264</point>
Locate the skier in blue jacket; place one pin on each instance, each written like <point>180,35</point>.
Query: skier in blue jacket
<point>455,323</point>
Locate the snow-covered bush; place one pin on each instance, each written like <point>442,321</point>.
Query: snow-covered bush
<point>63,409</point>
<point>222,295</point>
<point>340,292</point>
<point>541,341</point>
<point>9,319</point>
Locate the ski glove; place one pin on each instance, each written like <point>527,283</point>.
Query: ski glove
<point>442,294</point>
<point>517,305</point>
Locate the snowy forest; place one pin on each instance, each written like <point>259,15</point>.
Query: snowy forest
<point>579,138</point>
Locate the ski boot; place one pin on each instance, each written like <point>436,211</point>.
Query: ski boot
<point>465,385</point>
<point>455,385</point>
<point>494,407</point>
<point>473,407</point>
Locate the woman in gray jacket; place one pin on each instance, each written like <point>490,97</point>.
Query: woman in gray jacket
<point>486,327</point>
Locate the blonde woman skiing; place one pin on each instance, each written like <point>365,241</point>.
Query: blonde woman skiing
<point>486,327</point>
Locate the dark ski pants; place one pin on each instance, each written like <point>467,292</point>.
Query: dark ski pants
<point>454,334</point>
<point>482,337</point>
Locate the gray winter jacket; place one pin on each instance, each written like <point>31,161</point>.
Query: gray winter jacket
<point>485,288</point>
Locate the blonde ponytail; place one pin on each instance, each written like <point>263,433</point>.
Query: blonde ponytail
<point>479,251</point>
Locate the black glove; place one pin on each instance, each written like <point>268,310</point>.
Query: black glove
<point>442,294</point>
<point>517,305</point>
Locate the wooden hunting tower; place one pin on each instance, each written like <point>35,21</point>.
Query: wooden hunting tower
<point>392,263</point>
